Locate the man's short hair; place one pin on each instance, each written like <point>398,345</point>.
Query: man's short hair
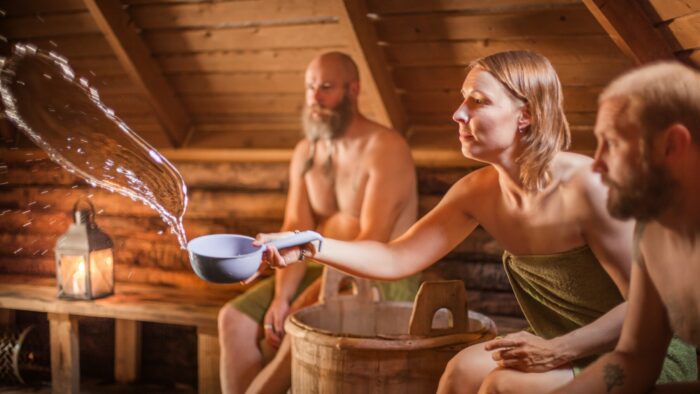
<point>660,94</point>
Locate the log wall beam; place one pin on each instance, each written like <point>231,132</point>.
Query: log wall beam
<point>372,63</point>
<point>135,57</point>
<point>631,29</point>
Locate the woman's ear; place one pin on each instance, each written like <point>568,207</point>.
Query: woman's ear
<point>524,119</point>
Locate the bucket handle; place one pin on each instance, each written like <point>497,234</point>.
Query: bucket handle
<point>433,296</point>
<point>330,284</point>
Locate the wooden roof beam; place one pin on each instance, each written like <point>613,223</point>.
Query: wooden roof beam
<point>631,29</point>
<point>135,57</point>
<point>372,63</point>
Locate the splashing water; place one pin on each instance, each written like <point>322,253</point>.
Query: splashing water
<point>64,116</point>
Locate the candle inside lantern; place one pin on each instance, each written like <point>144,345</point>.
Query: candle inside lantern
<point>79,278</point>
<point>101,277</point>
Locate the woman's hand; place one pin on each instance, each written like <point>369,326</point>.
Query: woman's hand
<point>283,257</point>
<point>527,352</point>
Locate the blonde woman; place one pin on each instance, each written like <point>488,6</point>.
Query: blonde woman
<point>567,260</point>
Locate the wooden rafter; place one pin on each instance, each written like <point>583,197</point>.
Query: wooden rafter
<point>631,29</point>
<point>134,56</point>
<point>372,63</point>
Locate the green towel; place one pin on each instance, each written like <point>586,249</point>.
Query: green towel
<point>561,292</point>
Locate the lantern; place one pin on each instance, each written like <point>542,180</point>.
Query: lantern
<point>84,260</point>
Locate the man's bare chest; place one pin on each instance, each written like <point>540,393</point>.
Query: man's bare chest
<point>674,267</point>
<point>340,191</point>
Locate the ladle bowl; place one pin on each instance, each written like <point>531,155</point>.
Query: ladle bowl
<point>227,258</point>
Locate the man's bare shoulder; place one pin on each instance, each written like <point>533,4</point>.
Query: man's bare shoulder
<point>384,143</point>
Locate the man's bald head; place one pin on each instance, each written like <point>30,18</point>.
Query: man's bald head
<point>339,62</point>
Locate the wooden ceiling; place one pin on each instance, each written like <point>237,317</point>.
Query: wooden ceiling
<point>229,74</point>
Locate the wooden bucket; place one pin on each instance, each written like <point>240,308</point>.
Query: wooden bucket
<point>352,344</point>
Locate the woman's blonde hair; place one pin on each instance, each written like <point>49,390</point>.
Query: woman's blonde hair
<point>531,78</point>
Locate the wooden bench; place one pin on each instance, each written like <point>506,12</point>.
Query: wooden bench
<point>129,306</point>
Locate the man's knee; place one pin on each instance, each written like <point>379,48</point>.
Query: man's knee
<point>233,322</point>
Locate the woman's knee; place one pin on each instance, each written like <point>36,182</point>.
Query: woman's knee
<point>498,381</point>
<point>466,370</point>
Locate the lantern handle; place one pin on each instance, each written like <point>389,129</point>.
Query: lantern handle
<point>78,217</point>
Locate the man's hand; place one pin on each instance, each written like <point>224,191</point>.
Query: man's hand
<point>526,352</point>
<point>273,323</point>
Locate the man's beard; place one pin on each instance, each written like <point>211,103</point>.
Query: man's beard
<point>332,124</point>
<point>644,195</point>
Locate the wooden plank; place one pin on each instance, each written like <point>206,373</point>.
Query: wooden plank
<point>14,8</point>
<point>249,60</point>
<point>97,65</point>
<point>671,9</point>
<point>203,204</point>
<point>38,26</point>
<point>372,63</point>
<point>76,46</point>
<point>468,6</point>
<point>231,14</point>
<point>596,48</point>
<point>249,82</point>
<point>208,361</point>
<point>244,104</point>
<point>127,350</point>
<point>434,27</point>
<point>245,139</point>
<point>65,352</point>
<point>631,29</point>
<point>136,59</point>
<point>450,78</point>
<point>269,37</point>
<point>685,30</point>
<point>130,302</point>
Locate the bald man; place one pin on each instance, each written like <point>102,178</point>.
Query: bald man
<point>648,131</point>
<point>351,179</point>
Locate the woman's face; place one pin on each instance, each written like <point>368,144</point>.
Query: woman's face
<point>488,117</point>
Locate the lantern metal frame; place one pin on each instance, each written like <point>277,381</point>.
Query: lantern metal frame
<point>82,239</point>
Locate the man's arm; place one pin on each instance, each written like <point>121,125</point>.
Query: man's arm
<point>636,362</point>
<point>297,216</point>
<point>391,186</point>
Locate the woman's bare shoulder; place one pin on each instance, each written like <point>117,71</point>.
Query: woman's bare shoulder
<point>477,182</point>
<point>575,172</point>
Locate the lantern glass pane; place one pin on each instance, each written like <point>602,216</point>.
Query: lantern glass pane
<point>73,275</point>
<point>101,272</point>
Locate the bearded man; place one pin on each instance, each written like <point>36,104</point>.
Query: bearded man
<point>351,179</point>
<point>648,131</point>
